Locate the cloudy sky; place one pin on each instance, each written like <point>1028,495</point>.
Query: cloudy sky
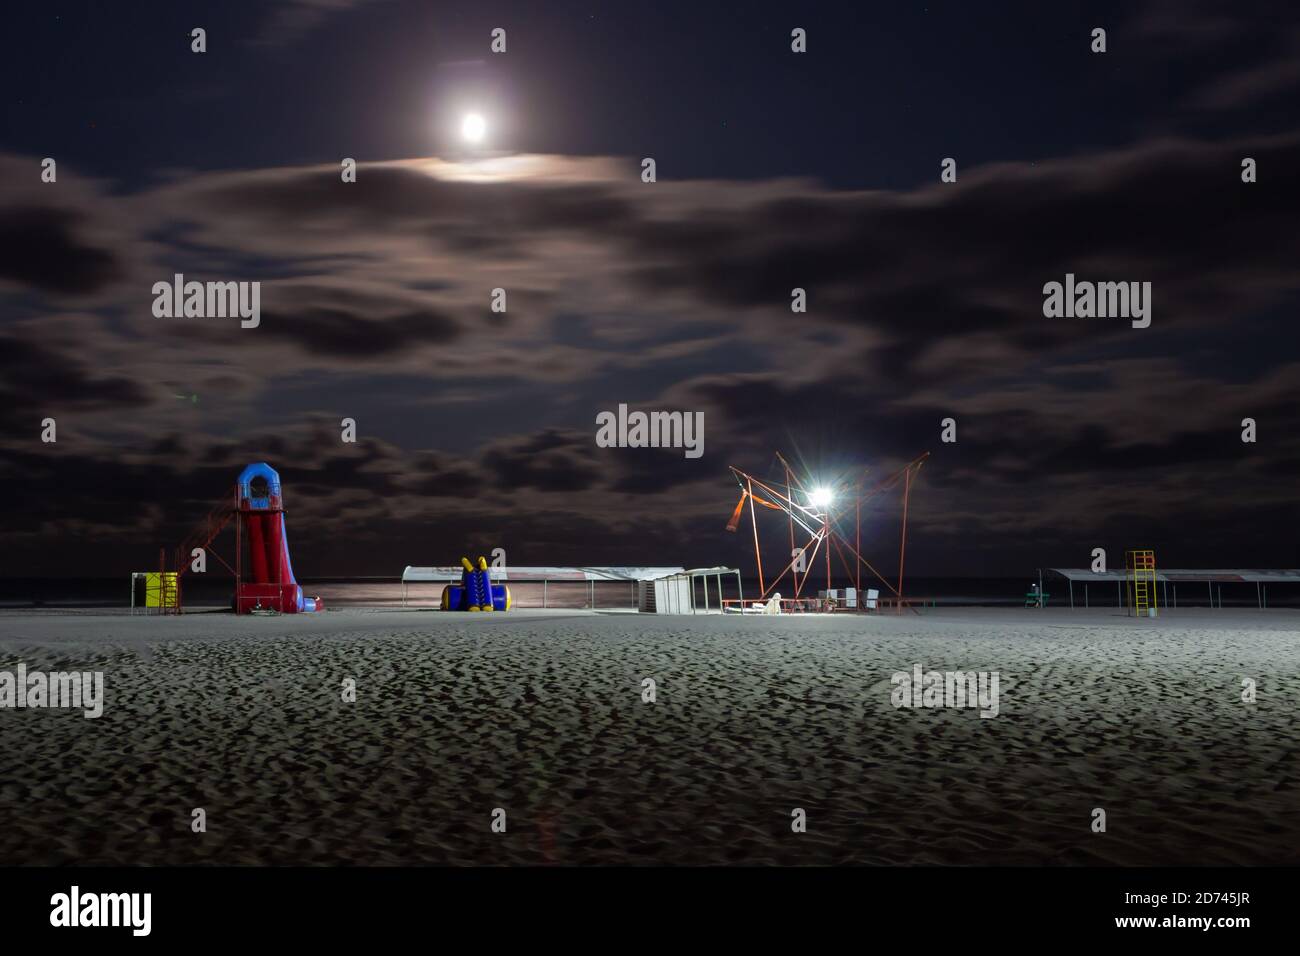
<point>775,170</point>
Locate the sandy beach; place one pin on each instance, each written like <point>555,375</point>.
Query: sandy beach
<point>541,714</point>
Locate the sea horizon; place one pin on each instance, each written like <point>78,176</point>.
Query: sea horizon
<point>387,591</point>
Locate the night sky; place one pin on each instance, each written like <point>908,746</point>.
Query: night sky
<point>775,170</point>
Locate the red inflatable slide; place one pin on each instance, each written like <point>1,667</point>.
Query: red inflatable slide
<point>271,586</point>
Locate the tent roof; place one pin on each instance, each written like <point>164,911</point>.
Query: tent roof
<point>413,574</point>
<point>1179,575</point>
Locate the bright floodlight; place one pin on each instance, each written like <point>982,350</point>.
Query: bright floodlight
<point>821,497</point>
<point>473,127</point>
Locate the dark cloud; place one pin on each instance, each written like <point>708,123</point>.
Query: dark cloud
<point>37,382</point>
<point>40,248</point>
<point>922,305</point>
<point>341,334</point>
<point>954,262</point>
<point>553,460</point>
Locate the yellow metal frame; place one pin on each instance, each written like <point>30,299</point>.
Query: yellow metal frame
<point>161,589</point>
<point>1143,596</point>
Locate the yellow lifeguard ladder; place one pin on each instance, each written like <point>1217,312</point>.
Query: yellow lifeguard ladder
<point>1141,572</point>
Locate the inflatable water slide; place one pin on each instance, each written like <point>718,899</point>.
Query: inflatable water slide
<point>271,585</point>
<point>476,591</point>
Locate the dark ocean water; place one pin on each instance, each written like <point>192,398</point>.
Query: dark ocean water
<point>216,591</point>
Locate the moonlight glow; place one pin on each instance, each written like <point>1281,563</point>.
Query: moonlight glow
<point>473,128</point>
<point>821,497</point>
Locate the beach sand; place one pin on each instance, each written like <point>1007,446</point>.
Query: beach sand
<point>540,713</point>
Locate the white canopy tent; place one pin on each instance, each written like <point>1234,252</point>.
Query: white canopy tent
<point>674,593</point>
<point>660,590</point>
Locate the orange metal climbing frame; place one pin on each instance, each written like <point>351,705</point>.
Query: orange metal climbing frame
<point>823,523</point>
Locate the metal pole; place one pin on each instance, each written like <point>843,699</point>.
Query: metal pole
<point>740,590</point>
<point>902,546</point>
<point>790,514</point>
<point>543,592</point>
<point>758,555</point>
<point>279,566</point>
<point>239,551</point>
<point>1071,594</point>
<point>826,526</point>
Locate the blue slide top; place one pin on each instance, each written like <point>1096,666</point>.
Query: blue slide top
<point>267,490</point>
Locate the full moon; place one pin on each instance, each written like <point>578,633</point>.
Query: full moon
<point>473,127</point>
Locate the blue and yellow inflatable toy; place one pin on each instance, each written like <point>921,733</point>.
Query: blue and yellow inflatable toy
<point>476,592</point>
